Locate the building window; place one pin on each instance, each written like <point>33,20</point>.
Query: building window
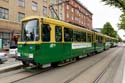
<point>44,11</point>
<point>21,3</point>
<point>72,2</point>
<point>4,13</point>
<point>5,36</point>
<point>52,14</point>
<point>60,1</point>
<point>20,16</point>
<point>72,17</point>
<point>52,2</point>
<point>6,0</point>
<point>76,19</point>
<point>72,10</point>
<point>67,15</point>
<point>67,7</point>
<point>44,0</point>
<point>61,16</point>
<point>77,12</point>
<point>34,6</point>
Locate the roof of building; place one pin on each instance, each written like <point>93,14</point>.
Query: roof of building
<point>83,6</point>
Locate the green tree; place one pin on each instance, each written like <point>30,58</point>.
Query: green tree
<point>108,30</point>
<point>119,39</point>
<point>117,3</point>
<point>121,25</point>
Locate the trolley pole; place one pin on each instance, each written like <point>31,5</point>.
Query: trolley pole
<point>51,7</point>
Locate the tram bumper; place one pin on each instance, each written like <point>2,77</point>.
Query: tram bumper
<point>28,59</point>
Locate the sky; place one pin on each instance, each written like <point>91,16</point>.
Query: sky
<point>103,13</point>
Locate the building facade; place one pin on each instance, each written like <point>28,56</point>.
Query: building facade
<point>78,14</point>
<point>12,11</point>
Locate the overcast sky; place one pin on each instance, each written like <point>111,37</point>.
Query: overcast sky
<point>103,13</point>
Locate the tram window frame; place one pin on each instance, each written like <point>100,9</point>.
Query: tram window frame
<point>96,38</point>
<point>100,39</point>
<point>110,40</point>
<point>58,33</point>
<point>46,36</point>
<point>89,37</point>
<point>83,36</point>
<point>68,34</point>
<point>92,38</point>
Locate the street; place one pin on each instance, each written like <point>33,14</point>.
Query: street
<point>62,41</point>
<point>104,67</point>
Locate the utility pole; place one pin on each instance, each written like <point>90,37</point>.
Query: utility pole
<point>51,7</point>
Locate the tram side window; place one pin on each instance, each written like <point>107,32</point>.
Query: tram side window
<point>83,36</point>
<point>100,39</point>
<point>46,32</point>
<point>89,37</point>
<point>111,40</point>
<point>76,36</point>
<point>67,35</point>
<point>58,33</point>
<point>107,39</point>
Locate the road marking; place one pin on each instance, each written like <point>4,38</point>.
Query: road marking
<point>123,81</point>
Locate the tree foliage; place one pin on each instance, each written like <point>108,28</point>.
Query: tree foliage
<point>108,30</point>
<point>119,39</point>
<point>121,25</point>
<point>117,3</point>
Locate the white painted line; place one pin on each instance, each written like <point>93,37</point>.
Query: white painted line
<point>123,81</point>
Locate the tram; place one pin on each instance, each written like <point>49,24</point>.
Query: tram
<point>50,41</point>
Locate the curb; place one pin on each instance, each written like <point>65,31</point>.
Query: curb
<point>11,67</point>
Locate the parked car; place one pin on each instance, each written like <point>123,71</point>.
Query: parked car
<point>13,51</point>
<point>3,57</point>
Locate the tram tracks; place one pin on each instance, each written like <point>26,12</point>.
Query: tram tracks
<point>116,58</point>
<point>24,75</point>
<point>71,80</point>
<point>39,72</point>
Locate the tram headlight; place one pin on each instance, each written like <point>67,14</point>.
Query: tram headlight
<point>30,55</point>
<point>18,54</point>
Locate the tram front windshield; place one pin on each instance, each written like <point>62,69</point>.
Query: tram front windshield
<point>30,30</point>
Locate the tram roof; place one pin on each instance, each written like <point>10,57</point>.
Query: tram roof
<point>65,24</point>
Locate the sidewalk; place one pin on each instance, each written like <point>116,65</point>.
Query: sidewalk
<point>10,64</point>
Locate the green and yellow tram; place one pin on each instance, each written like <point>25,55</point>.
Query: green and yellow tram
<point>50,41</point>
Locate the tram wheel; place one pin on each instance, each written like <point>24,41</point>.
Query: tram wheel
<point>25,64</point>
<point>55,64</point>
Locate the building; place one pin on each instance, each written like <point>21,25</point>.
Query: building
<point>12,11</point>
<point>78,14</point>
